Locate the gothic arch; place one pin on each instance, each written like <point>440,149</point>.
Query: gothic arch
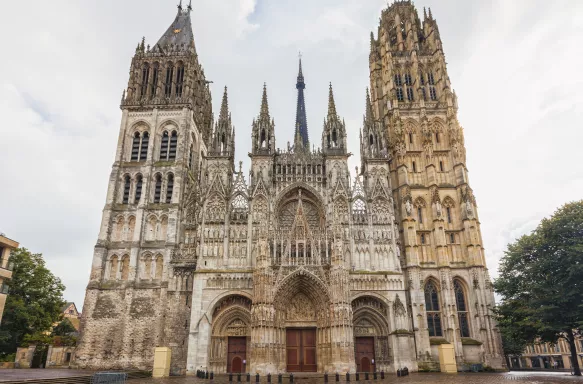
<point>302,281</point>
<point>162,126</point>
<point>298,185</point>
<point>219,298</point>
<point>139,126</point>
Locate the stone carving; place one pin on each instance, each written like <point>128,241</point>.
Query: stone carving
<point>300,309</point>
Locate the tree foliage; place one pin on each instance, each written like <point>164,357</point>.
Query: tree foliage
<point>540,283</point>
<point>34,302</point>
<point>64,328</point>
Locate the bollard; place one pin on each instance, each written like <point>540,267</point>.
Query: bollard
<point>206,374</point>
<point>269,377</point>
<point>347,376</point>
<point>406,371</point>
<point>326,377</point>
<point>366,376</point>
<point>374,375</point>
<point>399,372</point>
<point>212,375</point>
<point>239,377</point>
<point>382,375</point>
<point>230,377</point>
<point>357,377</point>
<point>279,378</point>
<point>337,377</point>
<point>248,377</point>
<point>291,378</point>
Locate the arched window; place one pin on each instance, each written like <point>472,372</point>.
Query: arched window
<point>125,267</point>
<point>414,167</point>
<point>126,189</point>
<point>113,265</point>
<point>441,166</point>
<point>147,267</point>
<point>190,156</point>
<point>144,146</point>
<point>410,138</point>
<point>164,146</point>
<point>145,77</point>
<point>262,139</point>
<point>462,309</point>
<point>179,79</point>
<point>448,212</point>
<point>159,266</point>
<point>139,182</point>
<point>420,215</point>
<point>437,137</point>
<point>169,188</point>
<point>371,139</point>
<point>334,138</point>
<point>158,188</point>
<point>169,78</point>
<point>432,310</point>
<point>155,76</point>
<point>136,147</point>
<point>399,87</point>
<point>173,145</point>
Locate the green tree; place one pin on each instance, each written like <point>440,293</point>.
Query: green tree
<point>540,282</point>
<point>64,328</point>
<point>34,302</point>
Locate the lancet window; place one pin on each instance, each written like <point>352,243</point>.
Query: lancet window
<point>126,189</point>
<point>139,183</point>
<point>179,79</point>
<point>140,143</point>
<point>169,188</point>
<point>168,145</point>
<point>432,309</point>
<point>462,309</point>
<point>145,77</point>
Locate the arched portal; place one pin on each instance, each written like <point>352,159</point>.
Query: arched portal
<point>302,322</point>
<point>371,331</point>
<point>231,321</point>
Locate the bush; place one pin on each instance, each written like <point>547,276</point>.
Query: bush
<point>9,358</point>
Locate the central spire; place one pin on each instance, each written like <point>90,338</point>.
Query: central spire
<point>301,133</point>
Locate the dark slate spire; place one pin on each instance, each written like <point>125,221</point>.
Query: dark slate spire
<point>301,133</point>
<point>179,35</point>
<point>224,114</point>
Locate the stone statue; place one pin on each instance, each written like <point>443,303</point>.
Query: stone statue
<point>408,207</point>
<point>438,207</point>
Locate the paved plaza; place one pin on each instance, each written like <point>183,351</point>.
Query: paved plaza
<point>29,374</point>
<point>420,378</point>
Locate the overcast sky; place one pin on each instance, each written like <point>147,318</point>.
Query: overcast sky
<point>515,65</point>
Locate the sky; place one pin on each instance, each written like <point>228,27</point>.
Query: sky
<point>515,66</point>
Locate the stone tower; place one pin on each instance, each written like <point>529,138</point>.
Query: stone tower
<point>140,287</point>
<point>440,240</point>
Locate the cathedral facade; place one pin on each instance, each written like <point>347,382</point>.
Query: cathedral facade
<point>299,267</point>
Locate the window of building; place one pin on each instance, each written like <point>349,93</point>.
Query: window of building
<point>462,310</point>
<point>144,146</point>
<point>154,85</point>
<point>139,182</point>
<point>422,78</point>
<point>441,166</point>
<point>410,94</point>
<point>424,94</point>
<point>414,165</point>
<point>422,238</point>
<point>400,94</point>
<point>432,310</point>
<point>408,79</point>
<point>164,146</point>
<point>169,78</point>
<point>432,93</point>
<point>158,188</point>
<point>173,145</point>
<point>451,238</point>
<point>145,77</point>
<point>398,81</point>
<point>179,79</point>
<point>448,212</point>
<point>420,215</point>
<point>410,138</point>
<point>126,189</point>
<point>136,146</point>
<point>437,137</point>
<point>430,78</point>
<point>168,145</point>
<point>169,188</point>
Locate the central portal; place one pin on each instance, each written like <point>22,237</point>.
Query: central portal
<point>301,349</point>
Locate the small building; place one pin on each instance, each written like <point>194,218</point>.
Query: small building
<point>6,246</point>
<point>544,356</point>
<point>71,313</point>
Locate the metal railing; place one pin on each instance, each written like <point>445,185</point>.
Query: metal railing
<point>109,378</point>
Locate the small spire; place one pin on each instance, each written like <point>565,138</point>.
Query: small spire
<point>300,73</point>
<point>368,107</point>
<point>331,104</point>
<point>240,167</point>
<point>372,42</point>
<point>264,105</point>
<point>180,6</point>
<point>189,6</point>
<point>424,13</point>
<point>224,114</point>
<point>430,15</point>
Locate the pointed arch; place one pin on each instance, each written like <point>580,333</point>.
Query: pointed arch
<point>433,308</point>
<point>462,306</point>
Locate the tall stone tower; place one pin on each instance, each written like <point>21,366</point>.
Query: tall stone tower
<point>441,247</point>
<point>140,287</point>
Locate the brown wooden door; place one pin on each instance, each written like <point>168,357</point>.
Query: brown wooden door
<point>364,354</point>
<point>236,354</point>
<point>301,350</point>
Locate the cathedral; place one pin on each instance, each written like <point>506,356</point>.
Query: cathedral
<point>299,267</point>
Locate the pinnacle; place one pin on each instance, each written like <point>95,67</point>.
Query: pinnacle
<point>224,114</point>
<point>369,116</point>
<point>331,104</point>
<point>264,106</point>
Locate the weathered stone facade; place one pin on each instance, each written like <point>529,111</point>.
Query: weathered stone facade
<point>300,267</point>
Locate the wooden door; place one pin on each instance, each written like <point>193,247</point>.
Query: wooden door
<point>364,354</point>
<point>236,354</point>
<point>301,350</point>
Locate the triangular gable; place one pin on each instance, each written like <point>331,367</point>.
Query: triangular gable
<point>260,189</point>
<point>379,190</point>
